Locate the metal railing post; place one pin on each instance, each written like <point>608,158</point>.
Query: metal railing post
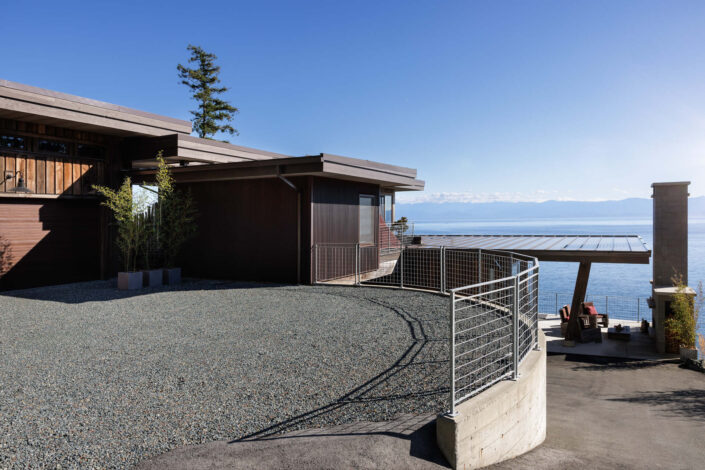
<point>357,264</point>
<point>452,355</point>
<point>479,266</point>
<point>556,309</point>
<point>515,329</point>
<point>442,272</point>
<point>401,267</point>
<point>315,265</point>
<point>537,347</point>
<point>638,309</point>
<point>607,307</point>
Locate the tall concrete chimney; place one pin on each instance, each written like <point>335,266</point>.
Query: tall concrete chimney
<point>670,249</point>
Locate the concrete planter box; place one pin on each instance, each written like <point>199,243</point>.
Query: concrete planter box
<point>689,353</point>
<point>172,276</point>
<point>130,280</point>
<point>153,277</point>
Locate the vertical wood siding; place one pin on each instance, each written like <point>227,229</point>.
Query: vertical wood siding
<point>51,175</point>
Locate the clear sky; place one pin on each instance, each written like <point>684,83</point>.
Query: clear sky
<point>488,100</point>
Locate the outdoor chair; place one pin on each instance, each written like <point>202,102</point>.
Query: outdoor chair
<point>565,316</point>
<point>589,310</point>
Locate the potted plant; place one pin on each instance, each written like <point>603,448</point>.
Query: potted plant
<point>681,325</point>
<point>130,232</point>
<point>177,216</point>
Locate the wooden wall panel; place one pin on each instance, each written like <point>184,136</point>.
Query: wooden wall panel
<point>75,178</point>
<point>335,207</point>
<point>247,230</point>
<point>41,176</point>
<point>44,175</point>
<point>50,242</point>
<point>68,181</point>
<point>9,166</point>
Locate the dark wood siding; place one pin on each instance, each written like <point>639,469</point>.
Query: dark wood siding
<point>247,230</point>
<point>336,219</point>
<point>49,242</point>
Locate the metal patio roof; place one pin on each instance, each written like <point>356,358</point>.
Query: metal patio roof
<point>592,248</point>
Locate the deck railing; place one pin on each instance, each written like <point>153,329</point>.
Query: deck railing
<point>616,306</point>
<point>493,302</point>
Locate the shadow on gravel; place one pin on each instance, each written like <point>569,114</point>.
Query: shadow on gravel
<point>689,403</point>
<point>423,441</point>
<point>105,291</point>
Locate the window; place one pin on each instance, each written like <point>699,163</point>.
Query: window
<point>13,142</point>
<point>89,151</point>
<point>387,208</point>
<point>53,146</point>
<point>367,220</point>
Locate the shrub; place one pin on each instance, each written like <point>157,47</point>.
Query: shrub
<point>682,325</point>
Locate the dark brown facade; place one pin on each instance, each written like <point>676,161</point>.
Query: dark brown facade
<point>261,213</point>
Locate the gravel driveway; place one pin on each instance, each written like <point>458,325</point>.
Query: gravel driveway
<point>92,377</point>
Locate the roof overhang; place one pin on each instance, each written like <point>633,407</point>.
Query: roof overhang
<point>323,165</point>
<point>629,249</point>
<point>179,148</point>
<point>32,104</point>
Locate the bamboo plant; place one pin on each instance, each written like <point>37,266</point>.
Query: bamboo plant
<point>131,233</point>
<point>682,325</point>
<point>176,212</point>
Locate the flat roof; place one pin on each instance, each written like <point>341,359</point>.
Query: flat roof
<point>593,248</point>
<point>33,104</point>
<point>324,165</point>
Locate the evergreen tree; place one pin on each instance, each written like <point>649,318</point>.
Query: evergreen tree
<point>213,114</point>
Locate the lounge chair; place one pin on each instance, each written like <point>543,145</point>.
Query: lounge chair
<point>589,310</point>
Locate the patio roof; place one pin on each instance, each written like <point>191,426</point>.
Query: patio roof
<point>580,248</point>
<point>324,165</point>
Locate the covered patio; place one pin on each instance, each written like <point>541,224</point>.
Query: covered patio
<point>582,249</point>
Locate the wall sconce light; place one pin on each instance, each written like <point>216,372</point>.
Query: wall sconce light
<point>20,187</point>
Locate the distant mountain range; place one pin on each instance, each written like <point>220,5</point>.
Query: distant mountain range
<point>454,211</point>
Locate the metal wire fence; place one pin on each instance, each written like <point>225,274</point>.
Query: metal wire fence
<point>494,301</point>
<point>616,306</point>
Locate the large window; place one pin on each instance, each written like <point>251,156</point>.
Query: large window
<point>367,220</point>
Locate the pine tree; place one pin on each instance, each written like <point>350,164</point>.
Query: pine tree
<point>213,114</point>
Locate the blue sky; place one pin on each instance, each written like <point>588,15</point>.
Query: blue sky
<point>488,100</point>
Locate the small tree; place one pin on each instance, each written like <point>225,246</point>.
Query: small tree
<point>682,325</point>
<point>177,214</point>
<point>213,114</point>
<point>131,233</point>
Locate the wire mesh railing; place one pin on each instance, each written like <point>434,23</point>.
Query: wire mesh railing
<point>494,301</point>
<point>615,306</point>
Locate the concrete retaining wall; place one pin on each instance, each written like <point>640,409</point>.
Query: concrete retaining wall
<point>504,421</point>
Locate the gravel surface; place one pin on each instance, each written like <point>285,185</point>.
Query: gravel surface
<point>93,377</point>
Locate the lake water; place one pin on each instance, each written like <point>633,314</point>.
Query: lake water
<point>618,280</point>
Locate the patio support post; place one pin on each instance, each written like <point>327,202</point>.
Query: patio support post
<point>515,329</point>
<point>581,282</point>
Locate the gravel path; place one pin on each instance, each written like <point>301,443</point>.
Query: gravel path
<point>92,377</point>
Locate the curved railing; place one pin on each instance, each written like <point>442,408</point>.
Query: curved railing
<point>493,301</point>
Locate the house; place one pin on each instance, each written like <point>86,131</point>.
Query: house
<point>260,213</point>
